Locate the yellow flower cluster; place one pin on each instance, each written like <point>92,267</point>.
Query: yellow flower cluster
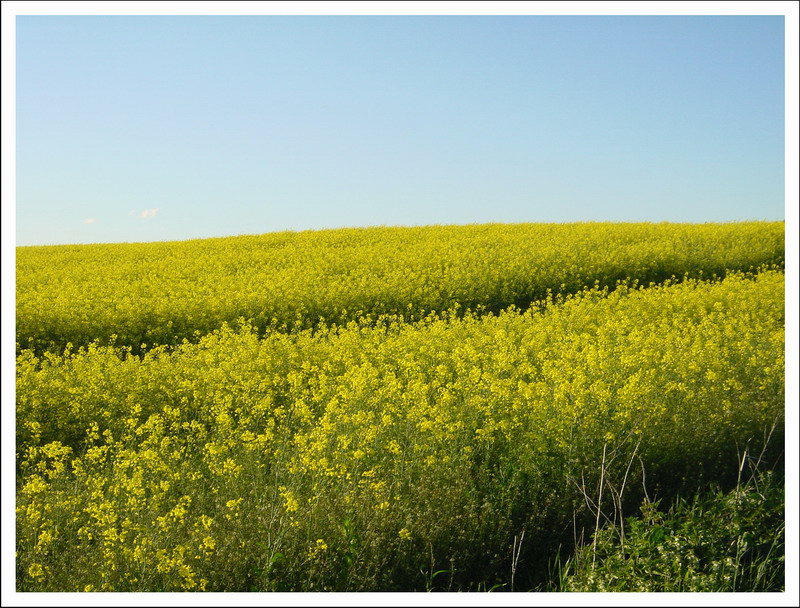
<point>353,457</point>
<point>161,293</point>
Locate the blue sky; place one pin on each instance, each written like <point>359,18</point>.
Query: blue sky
<point>154,128</point>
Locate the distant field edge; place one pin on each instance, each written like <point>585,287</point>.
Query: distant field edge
<point>145,294</point>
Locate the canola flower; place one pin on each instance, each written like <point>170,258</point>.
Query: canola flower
<point>363,456</point>
<point>146,294</point>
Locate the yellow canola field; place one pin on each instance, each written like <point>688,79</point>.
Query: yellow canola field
<point>397,456</point>
<point>162,293</point>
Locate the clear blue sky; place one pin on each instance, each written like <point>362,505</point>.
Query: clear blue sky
<point>232,125</point>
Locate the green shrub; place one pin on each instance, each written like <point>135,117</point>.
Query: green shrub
<point>716,541</point>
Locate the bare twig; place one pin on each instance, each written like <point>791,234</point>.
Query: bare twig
<point>644,482</point>
<point>599,504</point>
<point>516,549</point>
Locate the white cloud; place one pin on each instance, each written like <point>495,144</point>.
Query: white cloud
<point>148,213</point>
<point>90,220</point>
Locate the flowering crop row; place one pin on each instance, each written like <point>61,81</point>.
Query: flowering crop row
<point>163,293</point>
<point>376,456</point>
